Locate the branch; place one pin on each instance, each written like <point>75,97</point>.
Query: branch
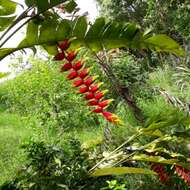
<point>15,22</point>
<point>123,92</point>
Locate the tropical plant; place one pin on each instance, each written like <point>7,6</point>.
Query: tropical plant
<point>62,38</point>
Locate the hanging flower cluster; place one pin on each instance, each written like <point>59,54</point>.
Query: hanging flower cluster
<point>183,173</point>
<point>87,84</point>
<point>160,170</point>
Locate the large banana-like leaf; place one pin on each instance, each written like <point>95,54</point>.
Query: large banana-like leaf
<point>100,35</point>
<point>121,171</point>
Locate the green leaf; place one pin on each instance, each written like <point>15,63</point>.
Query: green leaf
<point>70,6</point>
<point>7,7</point>
<point>162,42</point>
<point>30,3</point>
<point>5,22</point>
<point>42,35</point>
<point>121,171</point>
<point>97,36</point>
<point>93,37</point>
<point>63,30</point>
<point>167,122</point>
<point>51,48</point>
<point>80,27</point>
<point>2,75</point>
<point>159,159</point>
<point>43,5</point>
<point>31,35</point>
<point>48,30</point>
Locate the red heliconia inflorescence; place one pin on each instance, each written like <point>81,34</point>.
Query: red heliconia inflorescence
<point>85,82</point>
<point>162,174</point>
<point>183,173</point>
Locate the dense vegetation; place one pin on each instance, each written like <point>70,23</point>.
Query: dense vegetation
<point>54,135</point>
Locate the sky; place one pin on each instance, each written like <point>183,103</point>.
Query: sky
<point>84,5</point>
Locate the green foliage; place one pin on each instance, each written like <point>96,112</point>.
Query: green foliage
<point>133,10</point>
<point>122,170</point>
<point>170,17</point>
<point>7,9</point>
<point>128,71</point>
<point>43,92</point>
<point>101,34</point>
<point>113,185</point>
<point>43,5</point>
<point>52,167</point>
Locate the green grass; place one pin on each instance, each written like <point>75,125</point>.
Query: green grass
<point>12,134</point>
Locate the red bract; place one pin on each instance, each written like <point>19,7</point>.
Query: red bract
<point>183,173</point>
<point>66,67</point>
<point>111,117</point>
<point>160,170</point>
<point>89,81</point>
<point>89,96</point>
<point>97,110</point>
<point>84,73</point>
<point>83,90</point>
<point>71,56</point>
<point>78,65</point>
<point>95,88</point>
<point>84,81</point>
<point>104,103</point>
<point>72,75</point>
<point>100,95</point>
<point>78,83</point>
<point>93,103</point>
<point>59,56</point>
<point>64,45</point>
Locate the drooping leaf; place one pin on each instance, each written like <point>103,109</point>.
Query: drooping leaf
<point>7,7</point>
<point>163,42</point>
<point>99,35</point>
<point>121,171</point>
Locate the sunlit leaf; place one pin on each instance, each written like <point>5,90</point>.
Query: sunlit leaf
<point>121,171</point>
<point>96,37</point>
<point>163,42</point>
<point>7,7</point>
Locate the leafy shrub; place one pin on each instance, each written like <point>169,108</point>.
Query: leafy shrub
<point>52,167</point>
<point>55,167</point>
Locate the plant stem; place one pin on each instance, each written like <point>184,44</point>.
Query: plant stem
<point>118,148</point>
<point>122,92</point>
